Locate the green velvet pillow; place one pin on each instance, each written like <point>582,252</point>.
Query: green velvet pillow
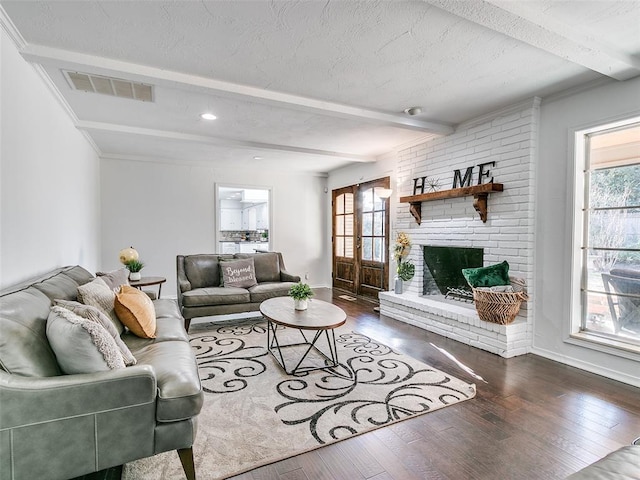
<point>490,276</point>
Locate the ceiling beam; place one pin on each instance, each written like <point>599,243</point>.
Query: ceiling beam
<point>213,140</point>
<point>533,27</point>
<point>93,64</point>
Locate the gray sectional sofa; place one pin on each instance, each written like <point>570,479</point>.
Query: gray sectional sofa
<point>200,293</point>
<point>58,426</point>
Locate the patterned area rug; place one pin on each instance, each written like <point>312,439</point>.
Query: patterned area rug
<point>255,414</point>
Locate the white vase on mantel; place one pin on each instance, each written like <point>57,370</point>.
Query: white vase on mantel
<point>135,276</point>
<point>301,304</point>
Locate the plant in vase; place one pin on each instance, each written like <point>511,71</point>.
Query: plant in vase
<point>134,267</point>
<point>300,292</point>
<point>404,268</point>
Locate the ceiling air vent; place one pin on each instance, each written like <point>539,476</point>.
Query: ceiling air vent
<point>115,87</point>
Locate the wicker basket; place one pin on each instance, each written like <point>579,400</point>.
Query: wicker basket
<point>498,307</point>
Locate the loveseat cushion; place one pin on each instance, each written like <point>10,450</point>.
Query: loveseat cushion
<point>264,291</point>
<point>267,265</point>
<point>215,296</point>
<point>179,391</point>
<point>202,270</point>
<point>24,348</point>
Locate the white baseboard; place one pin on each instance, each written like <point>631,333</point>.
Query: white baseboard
<point>589,367</point>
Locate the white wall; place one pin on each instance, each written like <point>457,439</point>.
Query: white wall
<point>553,224</point>
<point>171,211</point>
<point>49,174</point>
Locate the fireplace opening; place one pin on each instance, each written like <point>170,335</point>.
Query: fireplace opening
<point>443,270</point>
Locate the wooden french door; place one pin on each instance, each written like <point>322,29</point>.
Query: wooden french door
<point>361,238</point>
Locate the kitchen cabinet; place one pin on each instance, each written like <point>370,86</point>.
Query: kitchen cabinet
<point>229,247</point>
<point>249,218</point>
<point>230,219</point>
<point>249,247</point>
<point>262,216</point>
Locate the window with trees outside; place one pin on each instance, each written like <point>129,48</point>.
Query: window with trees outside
<point>609,251</point>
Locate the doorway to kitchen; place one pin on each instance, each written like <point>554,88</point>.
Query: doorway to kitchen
<point>361,237</point>
<point>243,219</point>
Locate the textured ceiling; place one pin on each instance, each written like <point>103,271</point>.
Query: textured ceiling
<point>311,85</point>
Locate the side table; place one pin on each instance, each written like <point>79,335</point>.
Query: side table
<point>148,282</point>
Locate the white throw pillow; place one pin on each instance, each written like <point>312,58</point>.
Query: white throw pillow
<point>99,295</point>
<point>94,314</point>
<point>80,345</point>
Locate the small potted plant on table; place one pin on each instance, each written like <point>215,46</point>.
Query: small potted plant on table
<point>300,292</point>
<point>134,267</point>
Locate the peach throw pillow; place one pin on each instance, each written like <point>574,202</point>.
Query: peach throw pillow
<point>135,310</point>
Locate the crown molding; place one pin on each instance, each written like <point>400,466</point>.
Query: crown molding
<point>12,31</point>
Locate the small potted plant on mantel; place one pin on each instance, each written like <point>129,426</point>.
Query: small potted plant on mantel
<point>134,267</point>
<point>300,292</point>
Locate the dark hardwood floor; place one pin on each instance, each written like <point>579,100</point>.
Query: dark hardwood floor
<point>532,418</point>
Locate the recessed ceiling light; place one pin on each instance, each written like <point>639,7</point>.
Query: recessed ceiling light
<point>208,116</point>
<point>257,158</point>
<point>413,110</point>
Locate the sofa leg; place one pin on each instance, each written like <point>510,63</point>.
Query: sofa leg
<point>187,322</point>
<point>186,458</point>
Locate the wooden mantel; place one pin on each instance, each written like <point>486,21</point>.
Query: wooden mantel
<point>479,192</point>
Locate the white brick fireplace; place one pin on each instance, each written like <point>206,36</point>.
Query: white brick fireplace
<point>509,138</point>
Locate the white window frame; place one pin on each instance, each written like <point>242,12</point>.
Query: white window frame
<point>579,199</point>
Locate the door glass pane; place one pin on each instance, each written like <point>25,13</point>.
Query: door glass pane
<point>377,250</point>
<point>378,224</point>
<point>378,203</point>
<point>340,204</point>
<point>367,224</point>
<point>348,247</point>
<point>367,200</point>
<point>340,225</point>
<point>340,246</point>
<point>367,249</point>
<point>348,203</point>
<point>348,224</point>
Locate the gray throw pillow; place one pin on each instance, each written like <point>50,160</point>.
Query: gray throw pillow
<point>115,279</point>
<point>80,345</point>
<point>238,273</point>
<point>97,294</point>
<point>94,314</point>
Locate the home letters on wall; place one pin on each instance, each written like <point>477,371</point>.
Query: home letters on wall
<point>459,181</point>
<point>461,187</point>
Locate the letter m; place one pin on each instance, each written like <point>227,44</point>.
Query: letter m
<point>464,182</point>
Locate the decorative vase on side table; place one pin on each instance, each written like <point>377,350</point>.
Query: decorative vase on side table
<point>134,276</point>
